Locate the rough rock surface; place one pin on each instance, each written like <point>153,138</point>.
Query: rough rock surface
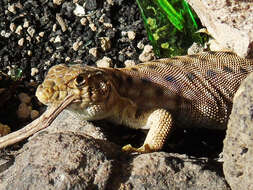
<point>162,170</point>
<point>238,144</point>
<point>72,154</point>
<point>229,22</point>
<point>60,161</point>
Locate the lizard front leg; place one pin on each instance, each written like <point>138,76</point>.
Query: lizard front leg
<point>159,122</point>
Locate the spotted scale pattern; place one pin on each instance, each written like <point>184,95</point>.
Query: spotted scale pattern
<point>197,88</point>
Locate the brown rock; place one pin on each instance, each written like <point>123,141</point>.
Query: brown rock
<point>238,144</point>
<point>72,154</point>
<point>229,22</point>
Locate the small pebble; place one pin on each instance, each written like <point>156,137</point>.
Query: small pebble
<point>11,8</point>
<point>28,38</point>
<point>4,129</point>
<point>131,35</point>
<point>21,42</point>
<point>105,43</point>
<point>49,50</point>
<point>31,31</point>
<point>102,18</point>
<point>110,2</point>
<point>34,71</point>
<point>61,22</point>
<point>107,25</point>
<point>57,2</point>
<point>12,27</point>
<point>79,11</point>
<point>48,63</point>
<point>34,114</point>
<point>24,98</point>
<point>129,53</point>
<point>123,33</point>
<point>52,39</point>
<point>67,59</point>
<point>121,57</point>
<point>5,34</point>
<point>29,52</point>
<point>19,30</point>
<point>83,21</point>
<point>26,24</point>
<point>93,51</point>
<point>140,45</point>
<point>106,62</point>
<point>129,63</point>
<point>41,34</point>
<point>92,27</point>
<point>147,54</point>
<point>76,45</point>
<point>54,27</point>
<point>91,5</point>
<point>57,39</point>
<point>148,48</point>
<point>37,38</point>
<point>23,111</point>
<point>19,5</point>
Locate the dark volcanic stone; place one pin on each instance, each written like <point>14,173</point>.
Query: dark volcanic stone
<point>91,4</point>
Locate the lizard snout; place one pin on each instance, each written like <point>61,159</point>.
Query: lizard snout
<point>50,94</point>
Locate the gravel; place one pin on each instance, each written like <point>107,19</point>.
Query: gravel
<point>35,35</point>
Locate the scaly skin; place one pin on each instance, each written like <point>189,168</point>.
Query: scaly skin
<point>160,95</point>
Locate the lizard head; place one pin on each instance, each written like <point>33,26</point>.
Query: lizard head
<point>90,86</point>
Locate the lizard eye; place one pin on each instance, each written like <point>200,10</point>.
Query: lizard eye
<point>79,81</point>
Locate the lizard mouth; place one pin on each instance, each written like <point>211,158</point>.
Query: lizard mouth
<point>49,96</point>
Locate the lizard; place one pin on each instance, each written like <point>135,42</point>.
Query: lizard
<point>158,96</point>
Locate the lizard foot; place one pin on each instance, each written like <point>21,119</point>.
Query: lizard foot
<point>143,149</point>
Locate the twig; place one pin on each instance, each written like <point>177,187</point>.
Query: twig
<point>42,122</point>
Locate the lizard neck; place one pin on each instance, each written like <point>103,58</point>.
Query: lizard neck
<point>146,94</point>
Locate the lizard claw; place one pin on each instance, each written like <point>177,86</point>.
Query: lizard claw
<point>143,149</point>
<point>128,148</point>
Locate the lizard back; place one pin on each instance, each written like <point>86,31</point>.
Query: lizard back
<point>197,89</point>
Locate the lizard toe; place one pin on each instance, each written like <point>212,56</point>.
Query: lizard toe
<point>143,149</point>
